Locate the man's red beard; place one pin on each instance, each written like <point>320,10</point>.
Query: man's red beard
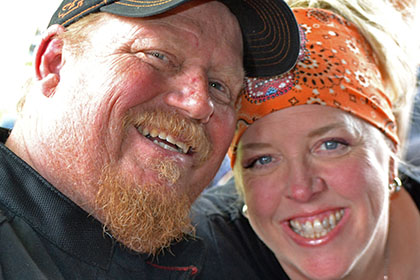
<point>146,218</point>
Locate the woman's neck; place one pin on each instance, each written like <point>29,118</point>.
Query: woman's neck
<point>403,238</point>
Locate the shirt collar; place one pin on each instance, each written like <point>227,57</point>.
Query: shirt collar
<point>50,213</point>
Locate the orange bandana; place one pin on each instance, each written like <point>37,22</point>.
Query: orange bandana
<point>336,67</point>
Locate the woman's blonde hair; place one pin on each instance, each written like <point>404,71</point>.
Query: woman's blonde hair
<point>390,28</point>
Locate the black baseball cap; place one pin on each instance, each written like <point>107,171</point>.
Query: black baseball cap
<point>269,28</point>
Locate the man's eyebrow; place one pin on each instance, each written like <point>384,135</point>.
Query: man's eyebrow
<point>230,72</point>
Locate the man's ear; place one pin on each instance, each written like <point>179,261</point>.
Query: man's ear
<point>48,60</point>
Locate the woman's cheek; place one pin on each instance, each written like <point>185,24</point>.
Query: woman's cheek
<point>343,181</point>
<point>262,196</point>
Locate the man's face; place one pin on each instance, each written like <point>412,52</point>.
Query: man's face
<point>151,101</point>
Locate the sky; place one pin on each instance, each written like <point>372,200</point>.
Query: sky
<point>18,24</point>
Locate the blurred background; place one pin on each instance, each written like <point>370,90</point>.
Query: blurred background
<point>20,22</point>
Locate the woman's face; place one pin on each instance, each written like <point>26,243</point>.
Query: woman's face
<point>315,182</point>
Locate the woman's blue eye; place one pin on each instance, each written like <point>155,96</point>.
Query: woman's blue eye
<point>334,145</point>
<point>264,160</point>
<point>258,162</point>
<point>331,148</point>
<point>331,145</point>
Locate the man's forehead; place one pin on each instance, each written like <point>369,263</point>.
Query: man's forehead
<point>221,47</point>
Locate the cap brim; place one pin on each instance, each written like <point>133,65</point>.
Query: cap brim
<point>137,8</point>
<point>271,36</point>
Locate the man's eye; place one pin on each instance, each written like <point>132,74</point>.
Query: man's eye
<point>216,85</point>
<point>158,55</point>
<point>219,92</point>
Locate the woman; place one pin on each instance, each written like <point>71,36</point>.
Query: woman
<point>319,182</point>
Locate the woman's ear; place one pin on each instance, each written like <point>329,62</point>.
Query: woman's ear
<point>393,168</point>
<point>48,60</point>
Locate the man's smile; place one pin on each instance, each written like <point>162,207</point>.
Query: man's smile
<point>165,140</point>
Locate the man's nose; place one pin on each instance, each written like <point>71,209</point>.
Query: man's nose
<point>191,96</point>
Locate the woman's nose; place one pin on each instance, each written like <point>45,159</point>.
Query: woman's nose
<point>303,183</point>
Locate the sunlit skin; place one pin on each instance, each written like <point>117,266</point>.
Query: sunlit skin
<point>304,163</point>
<point>131,66</point>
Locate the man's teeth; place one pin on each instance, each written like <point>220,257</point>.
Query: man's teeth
<point>182,148</point>
<point>317,228</point>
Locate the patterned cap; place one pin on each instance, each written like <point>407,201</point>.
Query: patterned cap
<point>336,67</point>
<point>269,28</point>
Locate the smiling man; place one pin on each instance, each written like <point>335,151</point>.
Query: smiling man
<point>129,117</point>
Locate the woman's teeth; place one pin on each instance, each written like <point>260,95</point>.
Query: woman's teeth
<point>317,228</point>
<point>177,146</point>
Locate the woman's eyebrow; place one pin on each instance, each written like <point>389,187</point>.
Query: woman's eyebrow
<point>255,145</point>
<point>325,129</point>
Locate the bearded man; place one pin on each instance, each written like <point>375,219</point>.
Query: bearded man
<point>128,119</point>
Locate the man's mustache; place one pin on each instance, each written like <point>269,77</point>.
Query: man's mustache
<point>184,130</point>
